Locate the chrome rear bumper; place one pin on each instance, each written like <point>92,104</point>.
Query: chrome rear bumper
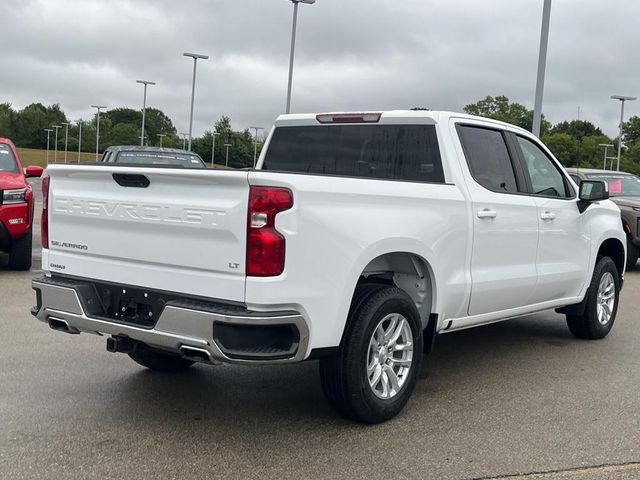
<point>180,328</point>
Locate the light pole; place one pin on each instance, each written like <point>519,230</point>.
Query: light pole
<point>606,146</point>
<point>622,99</point>
<point>79,138</point>
<point>55,146</point>
<point>98,107</point>
<point>195,57</point>
<point>213,148</point>
<point>48,130</point>
<point>226,164</point>
<point>144,106</point>
<point>66,139</point>
<point>255,145</point>
<point>184,140</point>
<point>161,136</point>
<point>542,64</point>
<point>293,47</point>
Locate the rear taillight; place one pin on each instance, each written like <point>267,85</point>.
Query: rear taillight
<point>44,222</point>
<point>265,245</point>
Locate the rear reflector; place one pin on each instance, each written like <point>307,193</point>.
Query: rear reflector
<point>265,245</point>
<point>349,117</point>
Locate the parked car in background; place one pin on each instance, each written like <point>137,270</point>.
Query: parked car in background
<point>624,189</point>
<point>358,239</point>
<point>137,155</point>
<point>16,206</point>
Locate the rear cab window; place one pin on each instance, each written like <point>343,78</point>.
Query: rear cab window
<point>389,152</point>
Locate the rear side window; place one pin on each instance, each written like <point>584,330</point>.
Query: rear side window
<point>393,152</point>
<point>488,158</point>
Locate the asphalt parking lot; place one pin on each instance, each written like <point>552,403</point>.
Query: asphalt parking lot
<point>508,400</point>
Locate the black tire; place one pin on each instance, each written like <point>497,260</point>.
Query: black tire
<point>587,325</point>
<point>633,252</point>
<point>20,255</point>
<point>344,377</point>
<point>158,360</point>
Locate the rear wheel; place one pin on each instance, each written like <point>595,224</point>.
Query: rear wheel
<point>632,254</point>
<point>157,360</point>
<point>374,373</point>
<point>20,255</point>
<point>601,303</point>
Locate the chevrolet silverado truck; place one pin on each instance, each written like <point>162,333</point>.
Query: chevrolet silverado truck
<point>16,207</point>
<point>357,239</point>
<point>624,189</point>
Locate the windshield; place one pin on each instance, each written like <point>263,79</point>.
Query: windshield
<point>620,185</point>
<point>7,160</point>
<point>161,158</point>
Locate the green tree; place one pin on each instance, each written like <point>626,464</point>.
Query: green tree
<point>577,129</point>
<point>564,147</point>
<point>631,131</point>
<point>31,121</point>
<point>7,120</point>
<point>124,115</point>
<point>630,161</point>
<point>124,134</point>
<point>500,108</point>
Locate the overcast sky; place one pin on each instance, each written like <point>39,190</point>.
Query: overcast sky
<point>351,55</point>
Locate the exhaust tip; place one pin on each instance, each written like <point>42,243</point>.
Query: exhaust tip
<point>62,326</point>
<point>195,354</point>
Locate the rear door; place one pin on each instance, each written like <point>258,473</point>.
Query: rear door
<point>167,229</point>
<point>505,222</point>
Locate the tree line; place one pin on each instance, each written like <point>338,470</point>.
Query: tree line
<point>121,126</point>
<point>575,143</point>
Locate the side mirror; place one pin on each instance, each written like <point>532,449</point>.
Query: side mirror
<point>33,171</point>
<point>593,190</point>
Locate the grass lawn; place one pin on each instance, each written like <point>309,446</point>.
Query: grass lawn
<point>32,156</point>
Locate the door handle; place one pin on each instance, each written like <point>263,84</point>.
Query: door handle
<point>547,215</point>
<point>487,213</point>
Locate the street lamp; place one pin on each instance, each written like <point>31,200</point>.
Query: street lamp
<point>293,47</point>
<point>66,139</point>
<point>144,107</point>
<point>606,146</point>
<point>622,99</point>
<point>48,130</point>
<point>542,64</point>
<point>227,160</point>
<point>161,136</point>
<point>98,107</point>
<point>79,122</point>
<point>195,57</point>
<point>213,148</point>
<point>255,145</point>
<point>184,140</point>
<point>55,146</point>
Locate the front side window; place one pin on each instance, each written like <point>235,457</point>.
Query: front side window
<point>546,179</point>
<point>488,158</point>
<point>392,152</point>
<point>7,160</point>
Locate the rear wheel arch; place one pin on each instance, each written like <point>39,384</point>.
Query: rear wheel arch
<point>614,249</point>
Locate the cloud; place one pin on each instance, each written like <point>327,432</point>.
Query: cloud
<point>350,55</point>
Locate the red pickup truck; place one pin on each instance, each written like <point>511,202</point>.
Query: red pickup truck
<point>16,206</point>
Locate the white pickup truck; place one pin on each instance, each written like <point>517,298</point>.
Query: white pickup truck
<point>356,240</point>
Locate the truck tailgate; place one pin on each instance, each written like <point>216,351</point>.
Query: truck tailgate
<point>183,232</point>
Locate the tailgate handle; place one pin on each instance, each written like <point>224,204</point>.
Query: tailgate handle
<point>131,180</point>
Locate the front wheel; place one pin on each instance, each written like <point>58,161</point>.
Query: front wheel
<point>375,371</point>
<point>20,255</point>
<point>601,303</point>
